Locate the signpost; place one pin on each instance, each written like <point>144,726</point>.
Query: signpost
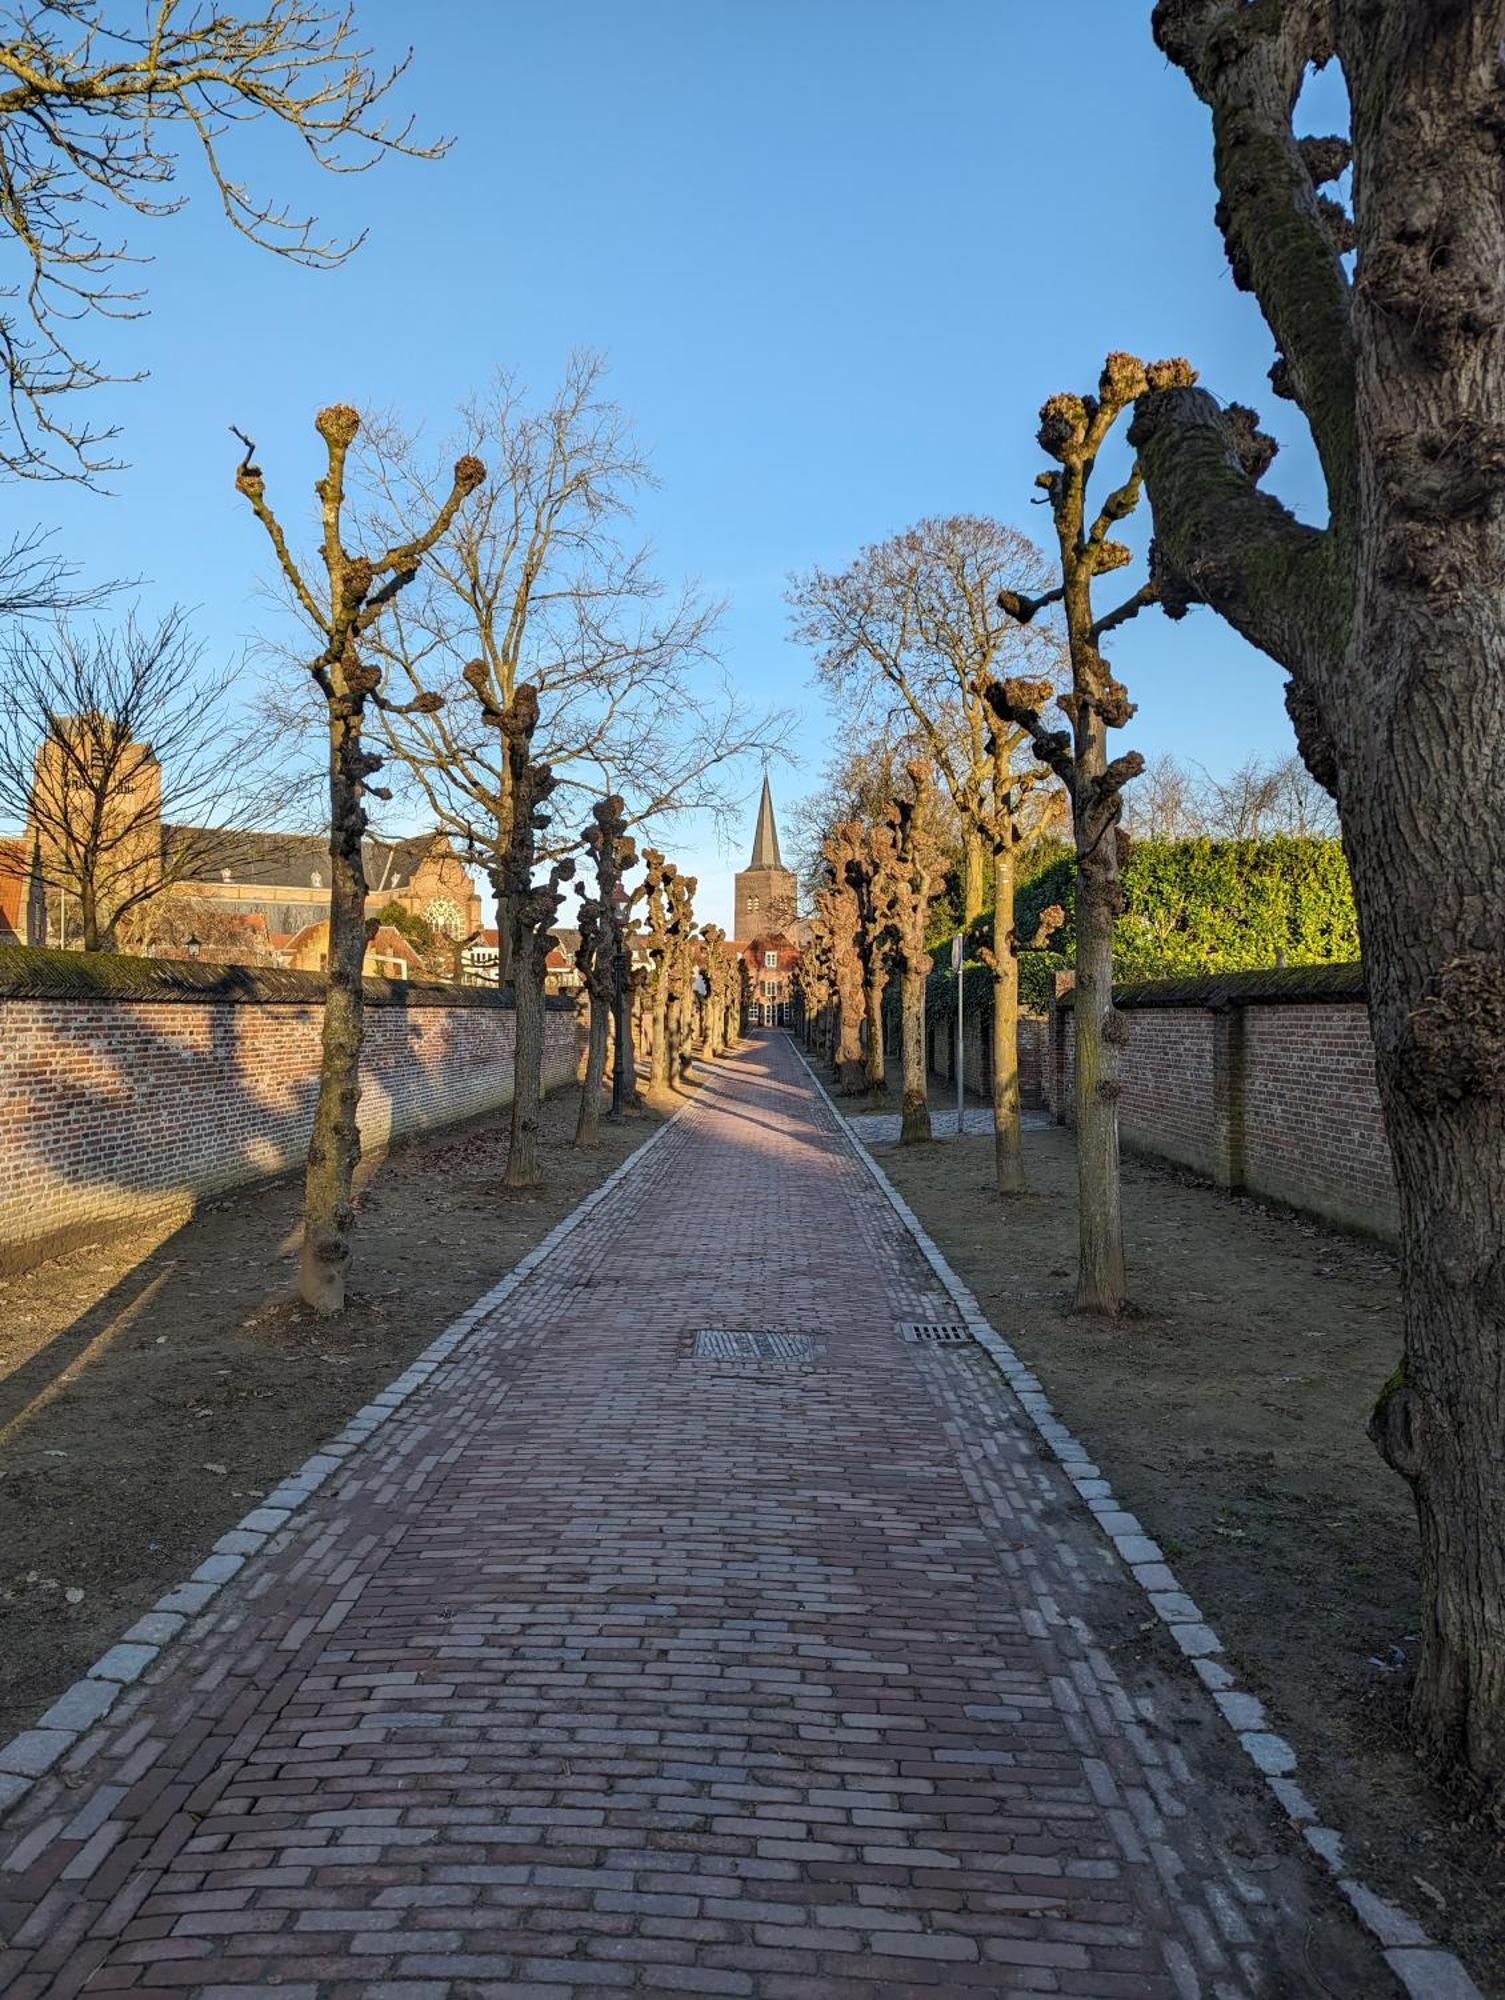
<point>958,944</point>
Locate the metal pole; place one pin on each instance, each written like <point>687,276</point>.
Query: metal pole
<point>958,958</point>
<point>619,1068</point>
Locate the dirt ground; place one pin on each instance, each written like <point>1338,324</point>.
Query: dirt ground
<point>1229,1412</point>
<point>152,1390</point>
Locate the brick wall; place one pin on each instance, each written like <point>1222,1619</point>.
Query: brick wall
<point>118,1106</point>
<point>1258,1081</point>
<point>941,1045</point>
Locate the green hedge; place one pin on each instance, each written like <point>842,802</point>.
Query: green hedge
<point>1193,906</point>
<point>1215,906</point>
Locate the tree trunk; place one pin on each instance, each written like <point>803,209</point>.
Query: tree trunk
<point>1100,1272</point>
<point>877,980</point>
<point>588,1122</point>
<point>523,1165</point>
<point>334,1146</point>
<point>974,874</point>
<point>1008,1143</point>
<point>847,1059</point>
<point>658,1054</point>
<point>916,1107</point>
<point>88,914</point>
<point>1424,833</point>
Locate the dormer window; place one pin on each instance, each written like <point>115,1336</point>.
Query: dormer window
<point>224,875</point>
<point>317,878</point>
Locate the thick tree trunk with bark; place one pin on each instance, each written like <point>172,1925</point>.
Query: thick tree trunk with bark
<point>524,1168</point>
<point>1008,1142</point>
<point>1390,624</point>
<point>875,986</point>
<point>974,873</point>
<point>915,1109</point>
<point>334,1147</point>
<point>1100,1264</point>
<point>588,1119</point>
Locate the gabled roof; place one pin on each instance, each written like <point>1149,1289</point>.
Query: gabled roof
<point>291,860</point>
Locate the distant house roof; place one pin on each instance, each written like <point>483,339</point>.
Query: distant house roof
<point>290,860</point>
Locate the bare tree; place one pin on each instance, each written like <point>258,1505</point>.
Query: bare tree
<point>533,908</point>
<point>90,116</point>
<point>1388,622</point>
<point>915,864</point>
<point>859,783</point>
<point>541,580</point>
<point>357,589</point>
<point>1167,802</point>
<point>1021,805</point>
<point>911,635</point>
<point>839,916</point>
<point>599,951</point>
<point>1073,431</point>
<point>1259,798</point>
<point>104,736</point>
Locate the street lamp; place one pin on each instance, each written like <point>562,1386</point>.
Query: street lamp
<point>621,905</point>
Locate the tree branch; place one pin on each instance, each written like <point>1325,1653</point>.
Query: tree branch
<point>1247,64</point>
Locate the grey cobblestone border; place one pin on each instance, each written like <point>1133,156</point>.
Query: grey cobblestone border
<point>27,1756</point>
<point>1424,1969</point>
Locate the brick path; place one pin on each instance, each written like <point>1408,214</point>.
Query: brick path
<point>602,1669</point>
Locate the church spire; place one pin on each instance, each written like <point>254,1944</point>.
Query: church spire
<point>765,848</point>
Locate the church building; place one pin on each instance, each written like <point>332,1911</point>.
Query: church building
<point>768,930</point>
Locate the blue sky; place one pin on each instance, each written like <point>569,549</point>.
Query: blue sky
<point>838,251</point>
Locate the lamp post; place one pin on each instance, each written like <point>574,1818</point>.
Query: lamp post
<point>621,904</point>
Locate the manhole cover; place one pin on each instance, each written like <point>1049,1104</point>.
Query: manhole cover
<point>935,1332</point>
<point>721,1343</point>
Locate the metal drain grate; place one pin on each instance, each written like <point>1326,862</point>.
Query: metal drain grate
<point>721,1343</point>
<point>935,1332</point>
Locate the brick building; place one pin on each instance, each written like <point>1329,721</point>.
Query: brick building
<point>768,932</point>
<point>247,896</point>
<point>767,893</point>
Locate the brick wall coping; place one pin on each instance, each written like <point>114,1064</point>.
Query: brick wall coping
<point>28,972</point>
<point>1275,986</point>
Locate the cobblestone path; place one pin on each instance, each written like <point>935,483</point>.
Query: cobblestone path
<point>603,1668</point>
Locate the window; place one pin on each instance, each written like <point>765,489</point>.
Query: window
<point>771,960</point>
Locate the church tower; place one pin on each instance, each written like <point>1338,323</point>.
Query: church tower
<point>767,898</point>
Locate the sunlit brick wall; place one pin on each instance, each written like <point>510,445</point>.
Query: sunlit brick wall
<point>113,1108</point>
<point>1277,1098</point>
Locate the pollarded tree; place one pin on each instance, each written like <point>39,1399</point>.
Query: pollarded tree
<point>1073,431</point>
<point>872,885</point>
<point>342,612</point>
<point>1388,622</point>
<point>840,919</point>
<point>911,856</point>
<point>912,634</point>
<point>652,891</point>
<point>599,951</point>
<point>533,908</point>
<point>680,1013</point>
<point>719,984</point>
<point>812,982</point>
<point>1022,806</point>
<point>85,103</point>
